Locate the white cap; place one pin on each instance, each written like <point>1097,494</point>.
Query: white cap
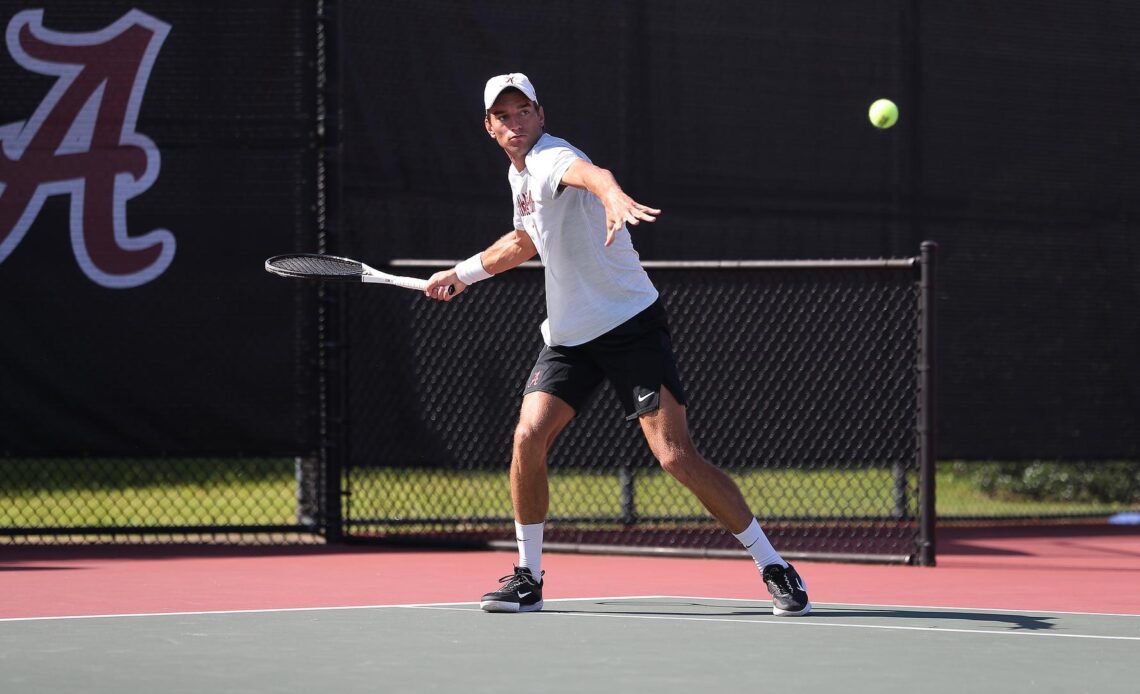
<point>496,85</point>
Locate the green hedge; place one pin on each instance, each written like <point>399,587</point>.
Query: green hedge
<point>1107,482</point>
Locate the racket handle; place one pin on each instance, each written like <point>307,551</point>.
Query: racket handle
<point>450,288</point>
<point>419,285</point>
<point>374,277</point>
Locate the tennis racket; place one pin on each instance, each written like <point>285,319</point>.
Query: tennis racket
<point>332,268</point>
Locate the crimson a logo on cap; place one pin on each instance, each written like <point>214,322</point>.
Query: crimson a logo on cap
<point>81,141</point>
<point>509,80</point>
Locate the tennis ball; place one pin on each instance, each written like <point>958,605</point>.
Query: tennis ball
<point>883,114</point>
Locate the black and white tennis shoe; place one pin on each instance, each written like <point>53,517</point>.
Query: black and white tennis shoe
<point>521,592</point>
<point>789,593</point>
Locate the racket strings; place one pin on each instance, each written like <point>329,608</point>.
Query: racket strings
<point>318,265</point>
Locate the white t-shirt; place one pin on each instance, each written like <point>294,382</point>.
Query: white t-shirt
<point>590,289</point>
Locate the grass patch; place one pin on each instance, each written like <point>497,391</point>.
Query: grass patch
<point>102,492</point>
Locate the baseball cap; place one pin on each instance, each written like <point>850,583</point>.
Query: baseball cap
<point>496,85</point>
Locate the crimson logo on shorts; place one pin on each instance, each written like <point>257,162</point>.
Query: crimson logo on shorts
<point>81,141</point>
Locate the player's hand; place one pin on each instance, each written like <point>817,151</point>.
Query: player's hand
<point>622,209</point>
<point>440,284</point>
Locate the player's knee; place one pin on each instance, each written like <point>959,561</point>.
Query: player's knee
<point>678,462</point>
<point>529,435</point>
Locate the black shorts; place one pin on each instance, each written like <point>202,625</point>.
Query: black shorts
<point>636,357</point>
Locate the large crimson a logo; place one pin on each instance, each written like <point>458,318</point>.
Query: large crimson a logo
<point>81,141</point>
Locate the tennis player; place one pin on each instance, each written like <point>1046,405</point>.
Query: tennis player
<point>604,321</point>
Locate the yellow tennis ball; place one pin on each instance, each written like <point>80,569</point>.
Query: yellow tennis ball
<point>883,114</point>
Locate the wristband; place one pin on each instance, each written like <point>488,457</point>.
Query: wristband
<point>471,270</point>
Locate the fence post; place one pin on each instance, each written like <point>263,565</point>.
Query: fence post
<point>333,331</point>
<point>334,425</point>
<point>899,471</point>
<point>628,501</point>
<point>927,416</point>
<point>307,476</point>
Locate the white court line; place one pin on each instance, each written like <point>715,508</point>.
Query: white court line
<point>456,606</point>
<point>270,610</point>
<point>808,622</point>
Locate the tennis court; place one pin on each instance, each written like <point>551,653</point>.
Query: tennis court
<point>1015,611</point>
<point>638,643</point>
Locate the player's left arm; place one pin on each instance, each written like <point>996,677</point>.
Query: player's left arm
<point>620,208</point>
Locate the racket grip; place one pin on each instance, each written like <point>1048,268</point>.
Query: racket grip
<point>421,285</point>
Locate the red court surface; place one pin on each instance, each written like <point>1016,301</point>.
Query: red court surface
<point>1080,569</point>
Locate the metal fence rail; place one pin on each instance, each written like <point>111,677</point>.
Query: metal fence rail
<point>810,383</point>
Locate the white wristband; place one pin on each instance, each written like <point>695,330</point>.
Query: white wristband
<point>471,270</point>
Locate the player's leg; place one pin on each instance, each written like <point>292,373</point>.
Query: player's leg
<point>638,359</point>
<point>542,417</point>
<point>667,431</point>
<point>559,385</point>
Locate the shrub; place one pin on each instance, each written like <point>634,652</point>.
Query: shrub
<point>1116,482</point>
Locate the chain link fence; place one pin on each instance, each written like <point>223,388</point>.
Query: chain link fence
<point>804,381</point>
<point>204,500</point>
<point>806,384</point>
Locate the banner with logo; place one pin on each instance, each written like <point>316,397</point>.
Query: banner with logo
<point>153,155</point>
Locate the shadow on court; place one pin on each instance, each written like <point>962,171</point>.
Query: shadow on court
<point>924,616</point>
<point>1015,621</point>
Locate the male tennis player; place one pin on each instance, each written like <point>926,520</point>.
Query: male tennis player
<point>604,321</point>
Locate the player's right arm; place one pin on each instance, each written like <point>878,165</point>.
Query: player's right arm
<point>510,251</point>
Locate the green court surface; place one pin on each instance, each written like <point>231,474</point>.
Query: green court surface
<point>632,644</point>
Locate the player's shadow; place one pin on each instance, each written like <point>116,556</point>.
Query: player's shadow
<point>1014,621</point>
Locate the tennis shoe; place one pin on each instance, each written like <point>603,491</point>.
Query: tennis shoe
<point>521,592</point>
<point>789,593</point>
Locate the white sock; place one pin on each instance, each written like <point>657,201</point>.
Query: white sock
<point>529,538</point>
<point>756,542</point>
